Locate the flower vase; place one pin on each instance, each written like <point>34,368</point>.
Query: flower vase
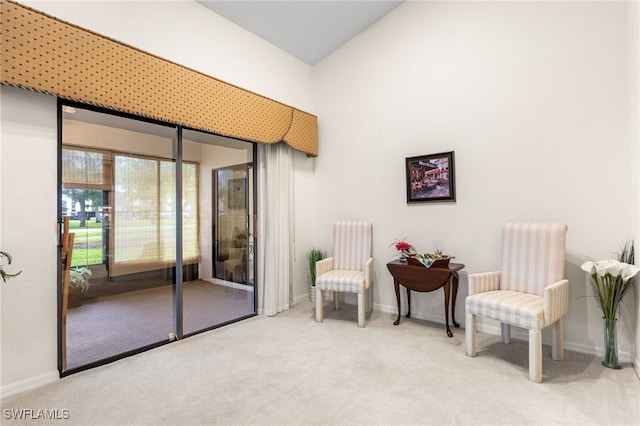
<point>403,257</point>
<point>610,344</point>
<point>312,293</point>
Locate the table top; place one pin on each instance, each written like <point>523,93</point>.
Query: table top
<point>453,267</point>
<point>421,278</point>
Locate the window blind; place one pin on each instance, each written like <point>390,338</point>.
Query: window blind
<point>144,214</point>
<point>86,169</point>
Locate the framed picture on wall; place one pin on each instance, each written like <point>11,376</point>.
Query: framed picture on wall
<point>431,178</point>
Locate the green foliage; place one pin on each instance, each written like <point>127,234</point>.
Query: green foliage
<point>84,197</point>
<point>79,277</point>
<point>610,289</point>
<point>4,256</point>
<point>626,253</point>
<point>314,255</point>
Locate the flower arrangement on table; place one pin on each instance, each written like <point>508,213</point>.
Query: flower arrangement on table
<point>610,281</point>
<point>404,249</point>
<point>428,259</point>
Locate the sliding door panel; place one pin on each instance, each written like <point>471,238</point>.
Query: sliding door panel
<point>118,196</point>
<point>124,208</point>
<point>218,284</point>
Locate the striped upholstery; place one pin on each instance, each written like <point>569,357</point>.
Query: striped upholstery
<point>484,281</point>
<point>341,280</point>
<point>556,301</point>
<point>512,307</point>
<point>351,245</point>
<point>350,267</point>
<point>532,256</point>
<point>529,291</point>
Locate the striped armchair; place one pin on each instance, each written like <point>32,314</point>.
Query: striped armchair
<point>349,269</point>
<point>529,291</point>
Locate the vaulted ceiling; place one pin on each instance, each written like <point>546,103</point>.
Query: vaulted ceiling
<point>310,30</point>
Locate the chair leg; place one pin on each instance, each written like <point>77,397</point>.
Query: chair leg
<point>319,305</point>
<point>336,300</point>
<point>505,332</point>
<point>470,333</point>
<point>535,355</point>
<point>557,341</point>
<point>361,309</point>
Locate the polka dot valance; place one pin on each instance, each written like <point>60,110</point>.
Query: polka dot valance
<point>45,54</point>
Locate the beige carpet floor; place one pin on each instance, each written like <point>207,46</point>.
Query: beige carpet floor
<point>290,370</point>
<point>112,325</point>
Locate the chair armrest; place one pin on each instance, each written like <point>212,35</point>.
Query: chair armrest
<point>368,272</point>
<point>323,266</point>
<point>556,301</point>
<point>484,281</point>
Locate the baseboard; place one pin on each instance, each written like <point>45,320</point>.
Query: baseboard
<point>229,284</point>
<point>25,385</point>
<point>301,298</point>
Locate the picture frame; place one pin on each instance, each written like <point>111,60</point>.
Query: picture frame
<point>431,178</point>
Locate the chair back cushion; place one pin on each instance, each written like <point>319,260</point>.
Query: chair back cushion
<point>532,256</point>
<point>351,245</point>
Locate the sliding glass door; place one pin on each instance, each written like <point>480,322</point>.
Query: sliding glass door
<point>136,206</point>
<point>211,298</point>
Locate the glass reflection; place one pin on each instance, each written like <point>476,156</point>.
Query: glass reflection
<point>220,290</point>
<point>118,192</point>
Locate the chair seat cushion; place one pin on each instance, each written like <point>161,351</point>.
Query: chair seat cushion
<point>511,307</point>
<point>342,280</point>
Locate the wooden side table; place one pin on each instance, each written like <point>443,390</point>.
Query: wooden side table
<point>420,278</point>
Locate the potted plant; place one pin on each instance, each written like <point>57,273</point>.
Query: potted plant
<point>404,249</point>
<point>78,284</point>
<point>6,257</point>
<point>610,281</point>
<point>313,256</point>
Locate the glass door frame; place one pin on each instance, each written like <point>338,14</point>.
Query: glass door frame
<point>178,301</point>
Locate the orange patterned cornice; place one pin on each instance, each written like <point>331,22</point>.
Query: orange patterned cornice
<point>45,54</point>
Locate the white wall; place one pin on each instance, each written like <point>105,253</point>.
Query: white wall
<point>634,93</point>
<point>28,231</point>
<point>533,99</point>
<point>181,31</point>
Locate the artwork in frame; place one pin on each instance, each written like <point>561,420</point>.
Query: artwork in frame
<point>431,178</point>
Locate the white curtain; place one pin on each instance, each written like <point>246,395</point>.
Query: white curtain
<point>275,228</point>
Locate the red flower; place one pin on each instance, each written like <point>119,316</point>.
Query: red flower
<point>402,246</point>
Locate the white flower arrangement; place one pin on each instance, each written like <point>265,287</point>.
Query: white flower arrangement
<point>610,280</point>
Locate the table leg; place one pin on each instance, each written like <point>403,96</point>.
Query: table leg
<point>453,300</point>
<point>396,286</point>
<point>408,303</point>
<point>447,293</point>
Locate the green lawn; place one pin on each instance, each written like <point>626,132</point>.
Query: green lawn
<point>91,223</point>
<point>87,247</point>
